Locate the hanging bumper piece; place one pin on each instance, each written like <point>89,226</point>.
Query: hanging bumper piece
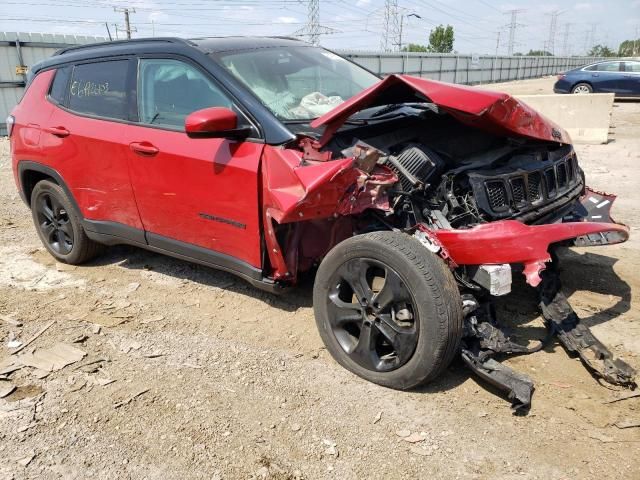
<point>483,339</point>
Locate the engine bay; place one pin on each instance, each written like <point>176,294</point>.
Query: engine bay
<point>453,175</point>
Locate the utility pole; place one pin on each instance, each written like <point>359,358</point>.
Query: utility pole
<point>498,42</point>
<point>108,31</point>
<point>313,29</point>
<point>565,40</point>
<point>127,24</point>
<point>512,28</point>
<point>402,17</point>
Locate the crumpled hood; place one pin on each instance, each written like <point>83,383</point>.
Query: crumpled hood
<point>494,112</point>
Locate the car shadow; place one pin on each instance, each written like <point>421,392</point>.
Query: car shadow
<point>515,311</point>
<point>140,259</point>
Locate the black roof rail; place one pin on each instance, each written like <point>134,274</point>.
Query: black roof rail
<point>122,42</point>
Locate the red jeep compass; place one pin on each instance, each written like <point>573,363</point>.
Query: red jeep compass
<point>266,157</point>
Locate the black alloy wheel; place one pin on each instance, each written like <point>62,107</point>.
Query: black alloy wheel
<point>388,309</point>
<point>54,223</point>
<point>59,225</point>
<point>372,315</point>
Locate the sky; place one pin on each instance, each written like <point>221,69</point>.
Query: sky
<point>353,24</point>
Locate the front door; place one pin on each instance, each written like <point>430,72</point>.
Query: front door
<point>196,196</point>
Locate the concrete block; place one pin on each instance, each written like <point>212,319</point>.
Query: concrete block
<point>587,118</point>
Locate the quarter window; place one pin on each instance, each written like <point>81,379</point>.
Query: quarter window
<point>100,89</point>
<point>60,85</point>
<point>169,90</point>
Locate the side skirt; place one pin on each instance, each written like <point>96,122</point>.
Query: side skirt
<point>112,233</point>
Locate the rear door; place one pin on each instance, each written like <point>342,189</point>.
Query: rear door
<point>630,82</point>
<point>196,196</point>
<point>83,136</point>
<point>605,77</point>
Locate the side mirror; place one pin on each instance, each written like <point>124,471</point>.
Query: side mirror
<point>214,122</point>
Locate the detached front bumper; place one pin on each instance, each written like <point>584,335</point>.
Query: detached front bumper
<point>513,242</point>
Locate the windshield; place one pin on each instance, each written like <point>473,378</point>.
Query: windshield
<point>297,83</point>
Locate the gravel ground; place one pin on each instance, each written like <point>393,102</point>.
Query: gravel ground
<point>191,373</point>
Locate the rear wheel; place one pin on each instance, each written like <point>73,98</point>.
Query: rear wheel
<point>582,88</point>
<point>387,309</point>
<point>58,226</point>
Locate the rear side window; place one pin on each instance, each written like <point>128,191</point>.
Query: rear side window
<point>632,67</point>
<point>100,89</point>
<point>605,67</point>
<point>59,87</point>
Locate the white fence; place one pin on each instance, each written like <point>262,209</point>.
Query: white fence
<point>466,69</point>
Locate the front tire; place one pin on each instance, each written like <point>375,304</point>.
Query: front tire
<point>582,88</point>
<point>388,310</point>
<point>58,225</point>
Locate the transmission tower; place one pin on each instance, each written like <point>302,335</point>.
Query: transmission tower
<point>590,38</point>
<point>553,25</point>
<point>313,29</point>
<point>391,27</point>
<point>512,28</point>
<point>566,48</point>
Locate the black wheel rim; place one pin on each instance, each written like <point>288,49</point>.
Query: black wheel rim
<point>54,223</point>
<point>372,315</point>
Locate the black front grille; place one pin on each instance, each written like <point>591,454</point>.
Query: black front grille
<point>561,174</point>
<point>497,193</point>
<point>535,187</point>
<point>505,193</point>
<point>550,182</point>
<point>518,190</point>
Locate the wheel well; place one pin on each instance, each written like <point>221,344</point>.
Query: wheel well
<point>29,180</point>
<point>586,82</point>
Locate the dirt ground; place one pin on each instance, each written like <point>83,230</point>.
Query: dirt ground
<point>191,373</point>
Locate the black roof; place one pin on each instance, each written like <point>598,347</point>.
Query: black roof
<point>225,44</point>
<point>205,44</point>
<point>191,47</point>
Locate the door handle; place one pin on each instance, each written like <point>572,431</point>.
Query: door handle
<point>57,131</point>
<point>595,75</point>
<point>144,148</point>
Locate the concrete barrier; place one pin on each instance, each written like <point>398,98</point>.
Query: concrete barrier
<point>586,117</point>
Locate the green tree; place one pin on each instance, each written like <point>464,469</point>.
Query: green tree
<point>441,39</point>
<point>601,51</point>
<point>629,48</point>
<point>414,47</point>
<point>539,53</point>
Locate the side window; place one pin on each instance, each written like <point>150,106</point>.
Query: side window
<point>632,67</point>
<point>60,84</point>
<point>100,89</point>
<point>169,90</point>
<point>607,67</point>
<point>604,67</point>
